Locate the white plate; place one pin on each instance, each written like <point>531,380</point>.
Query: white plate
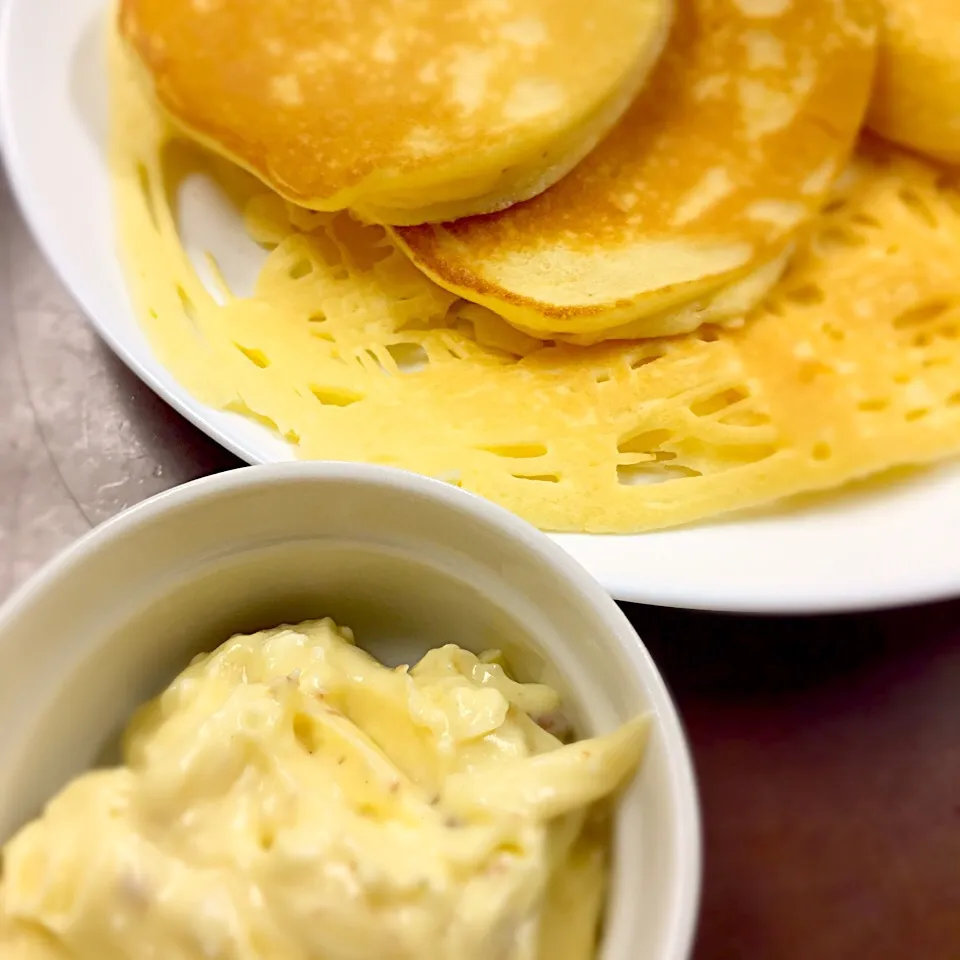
<point>873,547</point>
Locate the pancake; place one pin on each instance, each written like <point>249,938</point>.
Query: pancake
<point>918,77</point>
<point>403,111</point>
<point>349,352</point>
<point>680,213</point>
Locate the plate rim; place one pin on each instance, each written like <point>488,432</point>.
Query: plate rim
<point>44,238</point>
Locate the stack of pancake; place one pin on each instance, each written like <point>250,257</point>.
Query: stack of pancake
<point>609,264</point>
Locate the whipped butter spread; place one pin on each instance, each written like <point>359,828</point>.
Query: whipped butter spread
<point>288,797</point>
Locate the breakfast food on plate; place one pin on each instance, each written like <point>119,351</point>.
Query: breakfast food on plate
<point>918,77</point>
<point>687,211</point>
<point>849,367</point>
<point>289,796</point>
<point>401,110</point>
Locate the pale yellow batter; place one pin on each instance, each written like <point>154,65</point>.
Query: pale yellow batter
<point>290,797</point>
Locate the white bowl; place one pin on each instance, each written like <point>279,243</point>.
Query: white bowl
<point>408,563</point>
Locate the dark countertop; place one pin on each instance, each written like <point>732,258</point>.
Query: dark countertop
<point>828,749</point>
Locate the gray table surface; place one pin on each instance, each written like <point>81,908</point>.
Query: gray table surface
<point>828,750</point>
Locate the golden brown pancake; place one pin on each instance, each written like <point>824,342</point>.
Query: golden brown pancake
<point>916,100</point>
<point>345,349</point>
<point>684,211</point>
<point>401,110</point>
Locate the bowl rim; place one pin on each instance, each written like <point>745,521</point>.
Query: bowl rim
<point>679,766</point>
